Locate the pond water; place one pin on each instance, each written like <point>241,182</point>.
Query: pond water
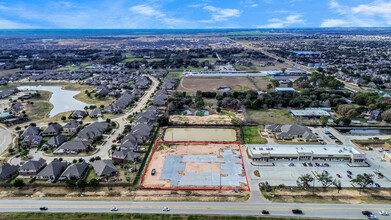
<point>304,52</point>
<point>224,89</point>
<point>366,131</point>
<point>62,100</point>
<point>200,134</point>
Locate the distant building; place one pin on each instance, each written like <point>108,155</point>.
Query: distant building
<point>309,113</point>
<point>285,89</point>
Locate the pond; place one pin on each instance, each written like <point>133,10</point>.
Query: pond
<point>62,100</point>
<point>304,52</point>
<point>224,89</point>
<point>364,131</point>
<point>200,134</point>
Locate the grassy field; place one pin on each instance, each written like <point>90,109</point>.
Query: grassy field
<point>174,75</point>
<point>40,107</point>
<point>130,59</point>
<point>192,84</point>
<point>110,216</point>
<point>271,116</point>
<point>252,135</point>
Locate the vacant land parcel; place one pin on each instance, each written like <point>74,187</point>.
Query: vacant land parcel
<point>193,84</point>
<point>200,165</point>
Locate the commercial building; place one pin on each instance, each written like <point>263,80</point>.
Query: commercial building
<point>313,113</point>
<point>305,153</point>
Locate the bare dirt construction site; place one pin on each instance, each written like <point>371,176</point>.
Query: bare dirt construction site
<point>198,166</point>
<point>193,84</point>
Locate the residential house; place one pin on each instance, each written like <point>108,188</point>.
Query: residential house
<point>78,114</point>
<point>32,141</point>
<point>30,130</point>
<point>95,113</point>
<point>92,131</point>
<point>75,171</point>
<point>7,171</point>
<point>56,141</point>
<point>52,130</point>
<point>71,127</point>
<point>73,147</point>
<point>32,167</point>
<point>127,155</point>
<point>142,132</point>
<point>52,171</point>
<point>129,142</point>
<point>104,168</point>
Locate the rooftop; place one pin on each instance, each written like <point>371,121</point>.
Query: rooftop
<point>294,149</point>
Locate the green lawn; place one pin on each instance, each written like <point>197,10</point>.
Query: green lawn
<point>130,59</point>
<point>270,116</point>
<point>252,135</point>
<point>174,75</point>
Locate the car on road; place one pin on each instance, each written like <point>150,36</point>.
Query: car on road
<point>114,209</point>
<point>349,172</point>
<point>367,213</point>
<point>339,176</point>
<point>297,211</point>
<point>166,209</point>
<point>17,156</point>
<point>372,216</point>
<point>376,138</point>
<point>43,208</point>
<point>265,212</point>
<point>383,213</point>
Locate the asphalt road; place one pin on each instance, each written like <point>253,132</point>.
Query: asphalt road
<point>345,211</point>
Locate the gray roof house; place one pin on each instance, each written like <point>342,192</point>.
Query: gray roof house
<point>30,130</point>
<point>95,113</point>
<point>129,142</point>
<point>71,127</point>
<point>127,155</point>
<point>78,114</point>
<point>32,167</point>
<point>104,168</point>
<point>52,171</point>
<point>92,131</point>
<point>73,146</point>
<point>142,132</point>
<point>32,141</point>
<point>53,129</point>
<point>74,171</point>
<point>8,171</point>
<point>56,141</point>
<point>289,132</point>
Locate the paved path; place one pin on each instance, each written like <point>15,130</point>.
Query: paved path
<point>6,139</point>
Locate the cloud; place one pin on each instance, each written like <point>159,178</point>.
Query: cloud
<point>147,11</point>
<point>282,23</point>
<point>220,14</point>
<point>7,24</point>
<point>374,14</point>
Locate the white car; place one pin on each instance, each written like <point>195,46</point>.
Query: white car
<point>166,209</point>
<point>114,209</point>
<point>372,216</point>
<point>383,213</point>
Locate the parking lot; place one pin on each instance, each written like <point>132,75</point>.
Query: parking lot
<point>283,173</point>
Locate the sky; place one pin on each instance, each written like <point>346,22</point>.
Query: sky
<point>193,14</point>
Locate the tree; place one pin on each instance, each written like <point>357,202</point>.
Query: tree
<point>163,120</point>
<point>63,118</point>
<point>323,120</point>
<point>344,109</point>
<point>352,113</point>
<point>363,180</point>
<point>18,183</point>
<point>386,116</point>
<point>269,86</point>
<point>70,183</point>
<point>326,180</point>
<point>290,84</point>
<point>94,183</point>
<point>82,183</point>
<point>304,181</point>
<point>276,83</point>
<point>337,184</point>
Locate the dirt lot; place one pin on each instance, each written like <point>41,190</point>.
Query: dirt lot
<point>162,150</point>
<point>367,144</point>
<point>210,119</point>
<point>192,84</point>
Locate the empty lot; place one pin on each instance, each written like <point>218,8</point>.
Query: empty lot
<point>193,84</point>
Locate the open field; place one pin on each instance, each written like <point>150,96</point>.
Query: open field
<point>270,116</point>
<point>348,196</point>
<point>262,82</point>
<point>40,107</point>
<point>175,75</point>
<point>252,135</point>
<point>192,84</point>
<point>110,216</point>
<point>195,166</point>
<point>209,119</point>
<point>374,144</point>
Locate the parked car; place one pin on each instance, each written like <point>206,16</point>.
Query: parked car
<point>291,164</point>
<point>377,185</point>
<point>297,211</point>
<point>265,212</point>
<point>166,209</point>
<point>310,164</point>
<point>349,172</point>
<point>350,177</point>
<point>339,176</point>
<point>326,164</point>
<point>43,208</point>
<point>305,164</point>
<point>153,172</point>
<point>325,172</point>
<point>317,164</point>
<point>376,138</point>
<point>114,209</point>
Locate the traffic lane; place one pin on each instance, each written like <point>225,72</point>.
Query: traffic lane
<point>278,209</point>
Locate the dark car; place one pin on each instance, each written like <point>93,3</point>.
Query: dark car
<point>265,212</point>
<point>305,164</point>
<point>297,211</point>
<point>153,172</point>
<point>326,164</point>
<point>349,172</point>
<point>377,185</point>
<point>349,176</point>
<point>325,172</point>
<point>376,138</point>
<point>367,213</point>
<point>317,164</point>
<point>43,208</point>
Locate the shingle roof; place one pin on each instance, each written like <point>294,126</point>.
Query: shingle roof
<point>32,164</point>
<point>75,170</point>
<point>6,170</point>
<point>55,168</point>
<point>104,168</point>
